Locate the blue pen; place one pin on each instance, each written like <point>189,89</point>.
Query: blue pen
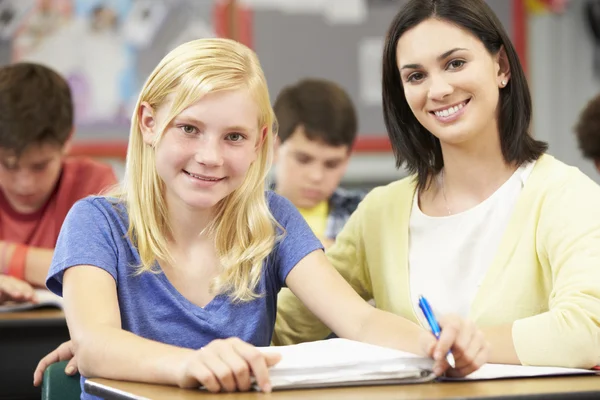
<point>433,324</point>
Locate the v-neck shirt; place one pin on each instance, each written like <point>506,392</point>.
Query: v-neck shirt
<point>95,233</point>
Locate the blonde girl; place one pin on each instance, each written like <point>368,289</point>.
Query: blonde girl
<point>174,279</point>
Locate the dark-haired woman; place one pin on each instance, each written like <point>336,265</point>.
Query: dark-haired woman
<point>487,226</point>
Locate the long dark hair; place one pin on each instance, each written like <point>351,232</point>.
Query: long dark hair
<point>415,146</point>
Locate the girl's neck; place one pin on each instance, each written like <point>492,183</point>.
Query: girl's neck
<point>188,225</point>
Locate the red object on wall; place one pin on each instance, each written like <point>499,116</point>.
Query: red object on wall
<point>519,34</point>
<point>118,149</point>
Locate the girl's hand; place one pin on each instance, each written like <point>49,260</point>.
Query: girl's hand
<point>63,352</point>
<point>227,365</point>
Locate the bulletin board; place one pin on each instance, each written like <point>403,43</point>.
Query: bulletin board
<point>106,49</point>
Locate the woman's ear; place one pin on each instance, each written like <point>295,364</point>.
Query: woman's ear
<point>503,68</point>
<point>147,123</point>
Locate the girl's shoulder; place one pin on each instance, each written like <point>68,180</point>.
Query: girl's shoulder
<point>111,209</point>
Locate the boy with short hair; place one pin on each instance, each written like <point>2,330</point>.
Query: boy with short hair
<point>317,128</point>
<point>38,183</point>
<point>588,131</point>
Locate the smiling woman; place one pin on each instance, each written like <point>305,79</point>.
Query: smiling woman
<point>488,226</point>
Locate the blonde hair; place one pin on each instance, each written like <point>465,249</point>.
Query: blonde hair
<point>243,229</point>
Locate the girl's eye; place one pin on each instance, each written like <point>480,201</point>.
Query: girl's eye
<point>188,129</point>
<point>235,137</point>
<point>455,64</point>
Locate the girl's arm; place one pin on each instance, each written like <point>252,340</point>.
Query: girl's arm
<point>323,290</point>
<point>105,350</point>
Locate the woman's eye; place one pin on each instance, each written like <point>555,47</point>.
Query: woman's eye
<point>455,64</point>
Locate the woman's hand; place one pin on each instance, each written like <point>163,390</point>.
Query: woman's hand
<point>228,365</point>
<point>466,342</point>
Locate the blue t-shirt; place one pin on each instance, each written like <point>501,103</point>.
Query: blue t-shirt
<point>95,233</point>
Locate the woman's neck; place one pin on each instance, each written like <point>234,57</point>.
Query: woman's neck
<point>471,174</point>
<point>474,174</point>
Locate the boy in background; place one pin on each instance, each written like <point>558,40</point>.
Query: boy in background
<point>588,131</point>
<point>317,128</point>
<point>38,183</point>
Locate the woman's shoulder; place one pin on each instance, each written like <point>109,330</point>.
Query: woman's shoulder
<point>551,175</point>
<point>397,194</point>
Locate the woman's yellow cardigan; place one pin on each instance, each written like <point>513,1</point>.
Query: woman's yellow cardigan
<point>544,279</point>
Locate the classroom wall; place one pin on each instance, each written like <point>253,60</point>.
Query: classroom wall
<point>293,46</point>
<point>562,80</point>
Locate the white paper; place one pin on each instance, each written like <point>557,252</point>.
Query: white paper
<point>346,11</point>
<point>501,371</point>
<point>334,11</point>
<point>370,51</point>
<point>344,362</point>
<point>288,6</point>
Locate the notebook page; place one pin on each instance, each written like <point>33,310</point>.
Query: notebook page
<point>501,371</point>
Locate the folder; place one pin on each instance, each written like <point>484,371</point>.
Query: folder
<point>343,362</point>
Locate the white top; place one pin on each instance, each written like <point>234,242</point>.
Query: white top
<point>449,256</point>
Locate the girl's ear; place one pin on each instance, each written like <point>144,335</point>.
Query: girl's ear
<point>262,137</point>
<point>147,122</point>
<point>503,68</point>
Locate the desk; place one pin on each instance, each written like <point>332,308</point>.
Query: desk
<point>577,387</point>
<point>25,337</point>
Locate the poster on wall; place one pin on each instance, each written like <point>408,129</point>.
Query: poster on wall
<point>104,48</point>
<point>83,41</point>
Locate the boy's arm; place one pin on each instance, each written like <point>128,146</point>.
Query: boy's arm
<point>37,263</point>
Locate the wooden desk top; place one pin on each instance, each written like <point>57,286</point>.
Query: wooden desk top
<point>577,387</point>
<point>42,316</point>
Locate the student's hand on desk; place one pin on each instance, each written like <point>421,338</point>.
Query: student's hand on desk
<point>227,365</point>
<point>61,353</point>
<point>464,339</point>
<point>13,289</point>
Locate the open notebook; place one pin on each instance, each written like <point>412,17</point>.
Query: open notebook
<point>342,362</point>
<point>45,298</point>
